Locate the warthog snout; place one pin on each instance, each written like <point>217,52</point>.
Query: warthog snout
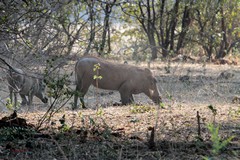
<point>45,100</point>
<point>157,100</point>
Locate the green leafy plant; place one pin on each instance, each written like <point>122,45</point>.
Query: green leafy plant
<point>96,69</point>
<point>100,111</point>
<point>91,121</point>
<point>169,96</point>
<point>64,127</point>
<point>162,105</point>
<point>97,77</point>
<point>140,109</point>
<point>217,143</point>
<point>10,105</point>
<point>234,113</point>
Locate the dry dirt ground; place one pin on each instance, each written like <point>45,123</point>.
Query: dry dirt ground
<point>124,132</point>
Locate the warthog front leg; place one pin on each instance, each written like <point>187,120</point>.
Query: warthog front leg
<point>11,96</point>
<point>15,98</point>
<point>126,99</point>
<point>30,98</point>
<point>24,100</point>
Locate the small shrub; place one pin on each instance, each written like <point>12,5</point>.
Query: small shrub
<point>100,112</point>
<point>64,127</point>
<point>10,106</point>
<point>217,143</point>
<point>140,109</point>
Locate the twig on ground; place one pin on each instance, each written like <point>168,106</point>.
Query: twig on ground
<point>199,126</point>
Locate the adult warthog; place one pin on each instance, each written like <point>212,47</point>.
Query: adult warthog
<point>26,85</point>
<point>126,79</point>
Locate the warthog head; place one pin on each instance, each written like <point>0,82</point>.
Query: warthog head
<point>154,93</point>
<point>152,90</point>
<point>41,91</point>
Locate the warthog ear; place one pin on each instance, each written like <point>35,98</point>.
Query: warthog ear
<point>147,70</point>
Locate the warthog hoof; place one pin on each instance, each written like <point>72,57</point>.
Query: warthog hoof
<point>24,103</point>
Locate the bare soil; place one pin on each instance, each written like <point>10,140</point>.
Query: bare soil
<point>123,132</point>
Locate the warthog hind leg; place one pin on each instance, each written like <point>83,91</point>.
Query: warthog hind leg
<point>80,93</point>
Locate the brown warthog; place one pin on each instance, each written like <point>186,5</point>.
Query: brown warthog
<point>26,85</point>
<point>126,79</point>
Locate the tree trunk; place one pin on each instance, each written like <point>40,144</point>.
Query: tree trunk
<point>224,44</point>
<point>185,23</point>
<point>104,35</point>
<point>161,40</point>
<point>173,25</point>
<point>92,31</point>
<point>106,27</point>
<point>109,40</point>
